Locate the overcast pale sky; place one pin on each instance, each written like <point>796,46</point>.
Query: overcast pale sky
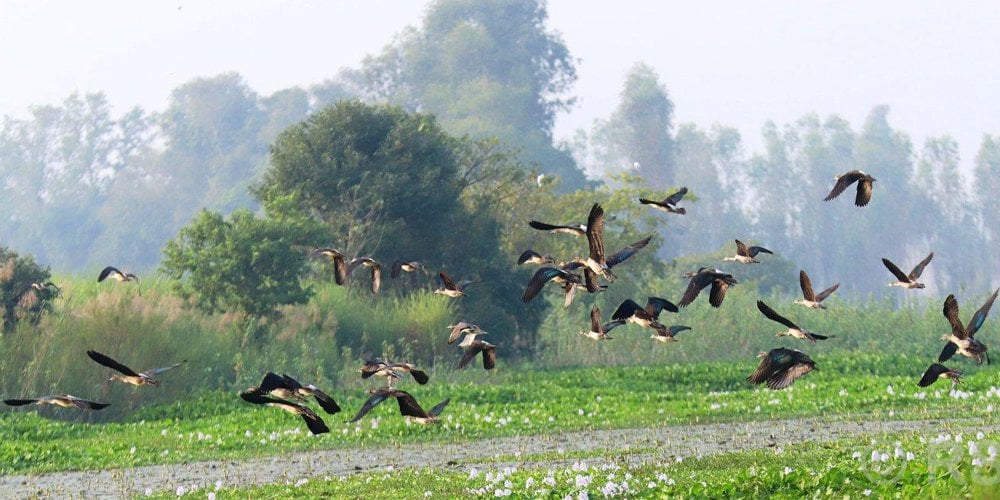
<point>739,63</point>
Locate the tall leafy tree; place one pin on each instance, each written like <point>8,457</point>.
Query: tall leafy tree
<point>639,131</point>
<point>486,69</point>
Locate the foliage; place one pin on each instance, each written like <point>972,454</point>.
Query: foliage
<point>485,69</point>
<point>246,263</point>
<point>20,300</point>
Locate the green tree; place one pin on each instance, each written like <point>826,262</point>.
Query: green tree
<point>245,263</point>
<point>486,69</point>
<point>20,300</point>
<point>639,130</point>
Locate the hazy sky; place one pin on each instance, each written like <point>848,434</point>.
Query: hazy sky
<point>739,63</point>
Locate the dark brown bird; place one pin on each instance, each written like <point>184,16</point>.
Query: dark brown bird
<point>938,371</point>
<point>313,421</point>
<point>474,347</point>
<point>121,277</point>
<point>62,401</point>
<point>793,329</point>
<point>746,255</point>
<point>411,266</point>
<point>811,299</point>
<point>908,281</point>
<point>781,367</point>
<point>393,371</point>
<point>542,276</point>
<point>128,375</point>
<point>962,337</point>
<point>629,311</point>
<point>408,405</point>
<point>669,204</point>
<point>339,262</point>
<point>865,185</point>
<point>286,387</point>
<point>530,256</point>
<point>719,280</point>
<point>370,263</point>
<point>575,230</point>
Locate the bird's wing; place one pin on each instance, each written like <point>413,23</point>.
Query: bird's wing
<point>774,316</point>
<point>408,405</point>
<point>763,372</point>
<point>107,271</point>
<point>698,281</point>
<point>627,252</point>
<point>626,310</point>
<point>397,266</point>
<point>821,296</point>
<point>326,402</point>
<point>753,251</point>
<point>19,402</point>
<point>448,283</point>
<point>372,402</point>
<point>569,291</point>
<point>590,279</point>
<point>864,192</point>
<point>919,268</point>
<point>807,287</point>
<point>420,376</point>
<point>785,378</point>
<point>541,226</point>
<point>950,312</point>
<point>595,319</point>
<point>895,270</point>
<point>489,357</point>
<point>438,407</point>
<point>86,404</point>
<point>468,355</point>
<point>741,249</point>
<point>842,182</point>
<point>595,232</point>
<point>525,255</point>
<point>315,424</point>
<point>456,331</point>
<point>977,320</point>
<point>949,350</point>
<point>156,371</point>
<point>339,269</point>
<point>676,197</point>
<point>932,374</point>
<point>718,292</point>
<point>647,201</point>
<point>376,278</point>
<point>538,281</point>
<point>258,398</point>
<point>656,305</point>
<point>271,382</point>
<point>110,363</point>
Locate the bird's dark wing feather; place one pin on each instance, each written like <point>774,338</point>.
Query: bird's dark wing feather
<point>627,252</point>
<point>110,363</point>
<point>950,311</point>
<point>864,192</point>
<point>821,296</point>
<point>626,310</point>
<point>372,402</point>
<point>448,283</point>
<point>489,357</point>
<point>919,268</point>
<point>932,374</point>
<point>698,281</point>
<point>676,197</point>
<point>774,316</point>
<point>977,320</point>
<point>842,182</point>
<point>785,378</point>
<point>468,355</point>
<point>326,402</point>
<point>741,249</point>
<point>107,271</point>
<point>538,281</point>
<point>408,405</point>
<point>949,350</point>
<point>656,305</point>
<point>807,287</point>
<point>753,251</point>
<point>718,292</point>
<point>595,232</point>
<point>895,270</point>
<point>438,407</point>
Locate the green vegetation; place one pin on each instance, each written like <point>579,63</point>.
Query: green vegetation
<point>893,466</point>
<point>512,402</point>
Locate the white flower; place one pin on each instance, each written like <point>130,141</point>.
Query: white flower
<point>890,390</point>
<point>583,481</point>
<point>909,456</point>
<point>651,485</point>
<point>715,406</point>
<point>427,494</point>
<point>181,490</point>
<point>866,493</point>
<point>148,492</point>
<point>549,481</point>
<point>301,482</point>
<point>786,471</point>
<point>528,483</point>
<point>211,495</point>
<point>609,489</point>
<point>843,393</point>
<point>131,450</point>
<point>579,412</point>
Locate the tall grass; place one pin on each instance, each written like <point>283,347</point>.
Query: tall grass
<point>324,341</point>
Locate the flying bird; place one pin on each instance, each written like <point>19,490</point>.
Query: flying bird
<point>669,204</point>
<point>339,262</point>
<point>962,337</point>
<point>313,421</point>
<point>628,251</point>
<point>908,281</point>
<point>393,371</point>
<point>667,333</point>
<point>600,331</point>
<point>938,371</point>
<point>408,405</point>
<point>596,262</point>
<point>474,347</point>
<point>451,289</point>
<point>411,266</point>
<point>865,185</point>
<point>793,329</point>
<point>469,330</point>
<point>115,274</point>
<point>781,367</point>
<point>62,401</point>
<point>370,263</point>
<point>704,277</point>
<point>746,255</point>
<point>575,230</point>
<point>542,276</point>
<point>811,299</point>
<point>286,387</point>
<point>530,256</point>
<point>128,375</point>
<point>629,311</point>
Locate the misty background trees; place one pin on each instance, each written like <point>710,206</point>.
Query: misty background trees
<point>475,89</point>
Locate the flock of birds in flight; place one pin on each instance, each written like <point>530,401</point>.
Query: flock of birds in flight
<point>778,368</point>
